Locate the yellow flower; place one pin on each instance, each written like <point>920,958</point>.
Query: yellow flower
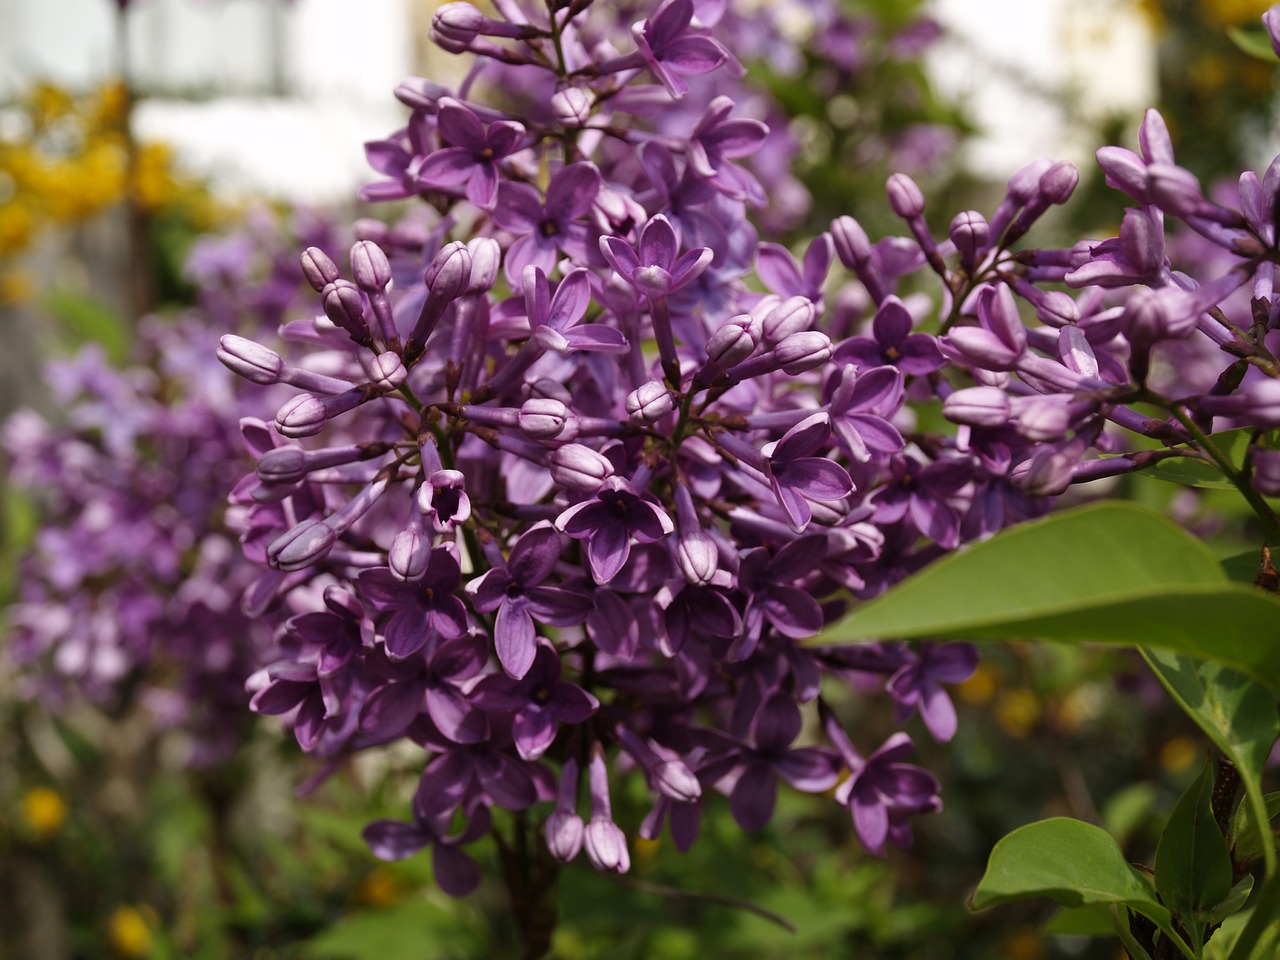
<point>379,889</point>
<point>129,933</point>
<point>1017,712</point>
<point>44,811</point>
<point>1178,754</point>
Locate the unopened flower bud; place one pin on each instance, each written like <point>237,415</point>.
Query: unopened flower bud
<point>305,544</point>
<point>449,271</point>
<point>571,107</point>
<point>542,419</point>
<point>1059,182</point>
<point>853,247</point>
<point>649,402</point>
<point>803,351</point>
<point>1266,471</point>
<point>486,256</point>
<point>1025,183</point>
<point>904,196</point>
<point>578,467</point>
<point>287,464</point>
<point>1057,309</point>
<point>564,831</point>
<point>250,360</point>
<point>318,268</point>
<point>410,551</point>
<point>387,371</point>
<point>673,779</point>
<point>970,233</point>
<point>1044,418</point>
<point>977,407</point>
<point>302,416</point>
<point>345,307</point>
<point>790,316</point>
<point>369,266</point>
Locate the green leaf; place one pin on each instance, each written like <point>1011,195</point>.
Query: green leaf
<point>1193,866</point>
<point>1107,573</point>
<point>1194,472</point>
<point>1242,567</point>
<point>1237,714</point>
<point>1233,901</point>
<point>1069,861</point>
<point>1246,841</point>
<point>1256,43</point>
<point>1091,921</point>
<point>1127,810</point>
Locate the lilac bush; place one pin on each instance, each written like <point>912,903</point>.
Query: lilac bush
<point>130,594</point>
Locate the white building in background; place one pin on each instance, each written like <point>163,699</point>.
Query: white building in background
<point>225,64</point>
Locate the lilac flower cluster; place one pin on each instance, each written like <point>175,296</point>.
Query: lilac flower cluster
<point>130,594</point>
<point>591,477</point>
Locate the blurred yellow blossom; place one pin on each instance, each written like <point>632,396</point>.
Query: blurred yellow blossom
<point>129,933</point>
<point>44,811</point>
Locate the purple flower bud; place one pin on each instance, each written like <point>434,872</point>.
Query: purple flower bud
<point>977,407</point>
<point>1025,183</point>
<point>803,351</point>
<point>904,196</point>
<point>410,552</point>
<point>1258,403</point>
<point>563,832</point>
<point>542,419</point>
<point>305,544</point>
<point>345,307</point>
<point>649,402</point>
<point>571,107</point>
<point>728,346</point>
<point>1151,315</point>
<point>1047,474</point>
<point>579,467</point>
<point>387,371</point>
<point>1043,419</point>
<point>449,271</point>
<point>250,360</point>
<point>486,257</point>
<point>302,416</point>
<point>1057,309</point>
<point>369,266</point>
<point>1059,182</point>
<point>287,464</point>
<point>318,268</point>
<point>853,247</point>
<point>606,846</point>
<point>969,232</point>
<point>790,316</point>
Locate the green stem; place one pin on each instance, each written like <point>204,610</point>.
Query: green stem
<point>1220,460</point>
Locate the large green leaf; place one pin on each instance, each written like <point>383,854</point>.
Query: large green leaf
<point>1070,862</point>
<point>1193,866</point>
<point>1106,573</point>
<point>1237,714</point>
<point>1255,43</point>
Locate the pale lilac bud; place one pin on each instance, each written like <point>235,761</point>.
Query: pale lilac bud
<point>287,464</point>
<point>369,266</point>
<point>977,407</point>
<point>969,232</point>
<point>790,316</point>
<point>673,779</point>
<point>904,196</point>
<point>410,551</point>
<point>649,402</point>
<point>1047,473</point>
<point>1057,309</point>
<point>250,360</point>
<point>563,832</point>
<point>542,419</point>
<point>449,271</point>
<point>696,552</point>
<point>1025,184</point>
<point>459,19</point>
<point>803,351</point>
<point>853,246</point>
<point>486,256</point>
<point>606,846</point>
<point>1151,315</point>
<point>1154,139</point>
<point>578,467</point>
<point>1258,404</point>
<point>1124,170</point>
<point>728,346</point>
<point>305,415</point>
<point>318,268</point>
<point>571,107</point>
<point>345,307</point>
<point>307,543</point>
<point>1059,182</point>
<point>387,371</point>
<point>1043,418</point>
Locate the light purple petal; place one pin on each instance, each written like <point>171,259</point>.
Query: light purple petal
<point>514,639</point>
<point>754,796</point>
<point>534,729</point>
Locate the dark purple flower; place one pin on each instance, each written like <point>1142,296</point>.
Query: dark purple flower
<point>409,614</point>
<point>545,230</point>
<point>797,475</point>
<point>609,521</point>
<point>516,593</point>
<point>892,342</point>
<point>538,702</point>
<point>474,155</point>
<point>916,685</point>
<point>671,52</point>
